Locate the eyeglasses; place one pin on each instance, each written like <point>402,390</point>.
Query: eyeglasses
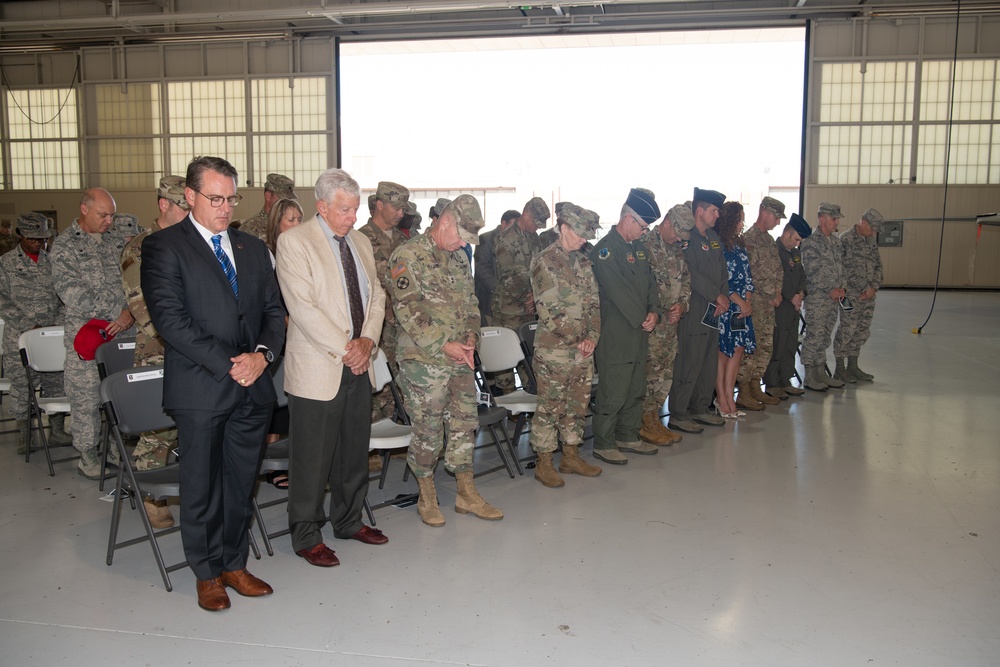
<point>216,200</point>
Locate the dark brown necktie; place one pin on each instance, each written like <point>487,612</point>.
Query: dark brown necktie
<point>353,290</point>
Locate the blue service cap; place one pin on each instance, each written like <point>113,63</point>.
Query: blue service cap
<point>799,224</point>
<point>642,202</point>
<point>713,197</point>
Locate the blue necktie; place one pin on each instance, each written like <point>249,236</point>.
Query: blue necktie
<point>227,266</point>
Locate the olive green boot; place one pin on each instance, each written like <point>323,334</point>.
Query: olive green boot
<point>545,473</point>
<point>852,366</point>
<point>844,373</point>
<point>57,430</point>
<point>814,378</point>
<point>468,500</point>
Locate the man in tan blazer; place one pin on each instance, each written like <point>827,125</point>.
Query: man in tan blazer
<point>336,306</point>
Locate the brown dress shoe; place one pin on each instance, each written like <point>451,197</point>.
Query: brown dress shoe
<point>369,535</point>
<point>319,555</point>
<point>212,595</point>
<point>245,583</point>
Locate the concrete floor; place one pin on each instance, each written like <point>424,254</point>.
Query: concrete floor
<point>859,527</point>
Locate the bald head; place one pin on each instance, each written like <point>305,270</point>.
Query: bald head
<point>96,208</point>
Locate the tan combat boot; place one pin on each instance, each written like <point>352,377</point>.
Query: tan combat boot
<point>158,513</point>
<point>745,399</point>
<point>572,463</point>
<point>545,473</point>
<point>653,430</point>
<point>427,503</point>
<point>754,386</point>
<point>468,500</point>
<point>852,367</point>
<point>674,437</point>
<point>814,378</point>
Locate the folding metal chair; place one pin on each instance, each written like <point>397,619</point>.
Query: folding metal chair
<point>42,351</point>
<point>500,350</point>
<point>526,332</point>
<point>133,403</point>
<point>111,357</point>
<point>387,434</point>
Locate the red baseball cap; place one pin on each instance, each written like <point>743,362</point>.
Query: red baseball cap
<point>91,336</point>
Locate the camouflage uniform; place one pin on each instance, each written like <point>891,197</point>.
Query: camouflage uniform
<point>126,225</point>
<point>154,447</point>
<point>486,274</point>
<point>569,313</point>
<point>822,258</point>
<point>383,245</point>
<point>87,277</point>
<point>277,184</point>
<point>27,301</point>
<point>514,252</point>
<point>434,303</point>
<point>765,267</point>
<point>862,269</point>
<point>7,239</point>
<point>671,272</point>
<point>548,237</point>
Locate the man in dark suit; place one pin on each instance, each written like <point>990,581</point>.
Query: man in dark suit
<point>213,297</point>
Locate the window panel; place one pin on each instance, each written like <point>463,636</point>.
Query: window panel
<point>43,130</point>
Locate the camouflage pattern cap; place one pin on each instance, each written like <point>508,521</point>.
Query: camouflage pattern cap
<point>371,203</point>
<point>559,207</point>
<point>393,194</point>
<point>468,216</point>
<point>281,185</point>
<point>539,211</point>
<point>832,210</point>
<point>439,206</point>
<point>125,223</point>
<point>873,218</point>
<point>580,220</point>
<point>799,224</point>
<point>681,217</point>
<point>172,189</point>
<point>34,226</point>
<point>774,206</point>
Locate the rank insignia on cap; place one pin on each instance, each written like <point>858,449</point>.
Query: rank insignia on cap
<point>604,254</point>
<point>402,282</point>
<point>630,258</point>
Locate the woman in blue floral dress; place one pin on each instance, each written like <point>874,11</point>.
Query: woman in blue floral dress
<point>736,336</point>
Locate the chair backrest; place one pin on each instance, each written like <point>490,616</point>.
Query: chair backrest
<point>499,349</point>
<point>44,350</point>
<point>527,334</point>
<point>277,370</point>
<point>133,400</point>
<point>115,355</point>
<point>380,369</point>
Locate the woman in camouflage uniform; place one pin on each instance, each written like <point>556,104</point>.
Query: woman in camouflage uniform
<point>569,325</point>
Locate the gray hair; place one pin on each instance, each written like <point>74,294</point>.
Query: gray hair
<point>627,211</point>
<point>332,181</point>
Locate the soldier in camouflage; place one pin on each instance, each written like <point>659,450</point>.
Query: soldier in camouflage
<point>28,301</point>
<point>410,224</point>
<point>391,201</point>
<point>516,246</point>
<point>823,260</point>
<point>277,186</point>
<point>863,270</point>
<point>549,236</point>
<point>126,225</point>
<point>781,368</point>
<point>86,272</point>
<point>666,258</point>
<point>154,447</point>
<point>486,266</point>
<point>765,267</point>
<point>435,306</point>
<point>569,326</point>
<point>7,240</point>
